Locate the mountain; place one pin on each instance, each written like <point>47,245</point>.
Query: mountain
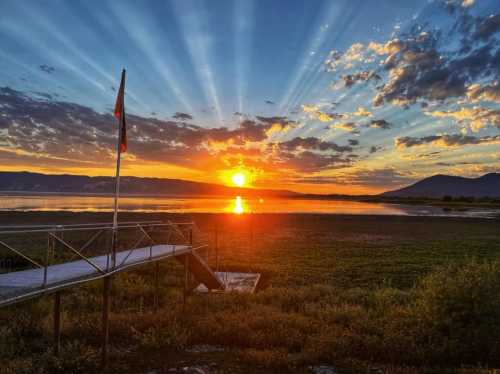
<point>65,183</point>
<point>439,186</point>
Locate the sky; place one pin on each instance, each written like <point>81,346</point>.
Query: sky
<point>313,96</point>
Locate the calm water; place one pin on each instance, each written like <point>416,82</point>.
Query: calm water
<point>224,205</point>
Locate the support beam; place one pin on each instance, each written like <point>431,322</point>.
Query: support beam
<point>57,323</point>
<point>106,298</point>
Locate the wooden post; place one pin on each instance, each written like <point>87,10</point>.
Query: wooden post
<point>105,320</point>
<point>57,323</point>
<point>157,286</point>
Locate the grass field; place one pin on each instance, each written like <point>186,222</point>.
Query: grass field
<point>359,293</point>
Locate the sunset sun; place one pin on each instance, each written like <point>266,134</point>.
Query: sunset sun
<point>238,179</point>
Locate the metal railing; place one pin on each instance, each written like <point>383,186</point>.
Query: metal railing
<point>41,246</point>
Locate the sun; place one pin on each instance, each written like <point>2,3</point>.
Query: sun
<point>239,179</point>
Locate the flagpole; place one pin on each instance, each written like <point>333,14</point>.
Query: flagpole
<point>117,178</point>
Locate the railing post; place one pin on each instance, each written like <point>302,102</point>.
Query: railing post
<point>157,286</point>
<point>186,281</point>
<point>216,246</point>
<point>107,254</point>
<point>57,323</point>
<point>45,268</point>
<point>105,320</point>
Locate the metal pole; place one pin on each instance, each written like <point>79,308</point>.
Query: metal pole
<point>157,286</point>
<point>117,178</point>
<point>45,269</point>
<point>105,320</point>
<point>251,230</point>
<point>186,280</point>
<point>216,247</point>
<point>57,323</point>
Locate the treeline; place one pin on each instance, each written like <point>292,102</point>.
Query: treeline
<point>471,199</point>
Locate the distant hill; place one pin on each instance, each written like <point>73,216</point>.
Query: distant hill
<point>439,186</point>
<point>79,184</point>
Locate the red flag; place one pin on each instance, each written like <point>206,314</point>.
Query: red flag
<point>120,113</point>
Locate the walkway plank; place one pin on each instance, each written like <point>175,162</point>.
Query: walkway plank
<point>18,285</point>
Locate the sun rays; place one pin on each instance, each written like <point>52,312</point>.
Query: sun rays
<point>216,87</point>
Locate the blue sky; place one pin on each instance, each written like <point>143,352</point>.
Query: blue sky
<point>306,67</point>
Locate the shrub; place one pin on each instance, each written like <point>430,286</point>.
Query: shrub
<point>458,308</point>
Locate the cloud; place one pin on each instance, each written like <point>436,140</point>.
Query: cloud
<point>46,68</point>
<point>425,65</point>
<point>362,112</point>
<point>308,161</point>
<point>315,112</point>
<point>487,27</point>
<point>354,55</point>
<point>475,118</point>
<point>374,149</point>
<point>62,133</point>
<point>363,76</point>
<point>276,119</point>
<point>382,177</point>
<point>345,126</point>
<point>182,116</point>
<point>312,143</point>
<point>269,102</point>
<point>380,124</point>
<point>487,92</point>
<point>454,140</point>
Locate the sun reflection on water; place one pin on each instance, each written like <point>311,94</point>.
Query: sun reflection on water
<point>238,205</point>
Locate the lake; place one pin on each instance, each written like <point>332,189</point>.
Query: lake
<point>49,202</point>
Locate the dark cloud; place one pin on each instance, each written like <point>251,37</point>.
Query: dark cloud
<point>45,95</point>
<point>453,140</point>
<point>312,143</point>
<point>385,177</point>
<point>363,76</point>
<point>182,116</point>
<point>63,133</point>
<point>269,102</point>
<point>380,124</point>
<point>374,149</point>
<point>487,27</point>
<point>422,67</point>
<point>276,119</point>
<point>46,68</point>
<point>310,161</point>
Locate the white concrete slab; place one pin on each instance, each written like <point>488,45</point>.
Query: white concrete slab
<point>235,282</point>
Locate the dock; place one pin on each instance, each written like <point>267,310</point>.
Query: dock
<point>163,241</point>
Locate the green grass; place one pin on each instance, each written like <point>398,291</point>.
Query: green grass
<point>403,294</point>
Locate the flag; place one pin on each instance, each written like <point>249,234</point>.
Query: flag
<point>120,113</point>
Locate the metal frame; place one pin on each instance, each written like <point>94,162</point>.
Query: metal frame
<point>54,235</point>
